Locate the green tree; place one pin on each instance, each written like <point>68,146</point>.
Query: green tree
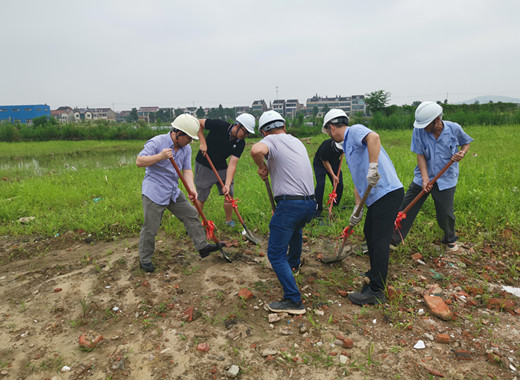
<point>376,101</point>
<point>178,112</point>
<point>200,113</point>
<point>132,116</point>
<point>325,109</point>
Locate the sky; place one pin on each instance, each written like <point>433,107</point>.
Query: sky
<point>131,53</point>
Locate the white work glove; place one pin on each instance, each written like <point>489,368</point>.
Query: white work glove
<point>373,175</point>
<point>354,220</point>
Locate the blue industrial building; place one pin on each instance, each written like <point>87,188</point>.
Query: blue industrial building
<point>24,113</point>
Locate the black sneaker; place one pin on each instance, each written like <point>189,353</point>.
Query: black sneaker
<point>367,296</point>
<point>147,267</point>
<point>286,306</point>
<point>204,252</point>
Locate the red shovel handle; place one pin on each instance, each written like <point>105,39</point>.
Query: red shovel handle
<point>336,184</point>
<point>228,197</point>
<point>416,199</point>
<point>206,224</point>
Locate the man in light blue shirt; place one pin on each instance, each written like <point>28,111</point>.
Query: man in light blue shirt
<point>160,188</point>
<point>435,142</point>
<point>369,164</point>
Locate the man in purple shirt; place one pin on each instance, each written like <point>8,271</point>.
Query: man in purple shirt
<point>436,142</point>
<point>160,189</point>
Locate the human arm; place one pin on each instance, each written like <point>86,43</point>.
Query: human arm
<point>258,153</point>
<point>461,153</point>
<point>145,161</point>
<point>423,168</point>
<point>203,147</point>
<point>328,167</point>
<point>230,173</point>
<point>354,220</point>
<point>188,177</point>
<point>374,148</point>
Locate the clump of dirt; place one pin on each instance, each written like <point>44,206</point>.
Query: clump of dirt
<point>187,319</point>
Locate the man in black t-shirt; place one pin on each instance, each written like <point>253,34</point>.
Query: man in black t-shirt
<point>326,163</point>
<point>223,140</point>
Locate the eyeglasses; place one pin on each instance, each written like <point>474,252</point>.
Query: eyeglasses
<point>240,126</point>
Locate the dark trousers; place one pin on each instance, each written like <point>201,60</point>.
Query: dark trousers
<point>443,200</point>
<point>379,225</point>
<point>320,173</point>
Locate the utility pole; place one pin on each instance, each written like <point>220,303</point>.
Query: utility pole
<point>276,92</point>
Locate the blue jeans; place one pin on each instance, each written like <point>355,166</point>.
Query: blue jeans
<point>285,231</point>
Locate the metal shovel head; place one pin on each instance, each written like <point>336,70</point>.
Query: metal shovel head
<point>340,256</point>
<point>225,255</point>
<point>249,236</point>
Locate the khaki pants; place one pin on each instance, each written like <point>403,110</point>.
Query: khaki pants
<point>153,212</point>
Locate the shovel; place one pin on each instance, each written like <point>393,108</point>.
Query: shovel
<point>208,224</point>
<point>233,203</point>
<point>333,195</point>
<point>402,214</point>
<point>346,232</point>
<point>270,194</point>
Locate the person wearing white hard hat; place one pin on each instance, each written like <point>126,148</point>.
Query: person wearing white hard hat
<point>435,142</point>
<point>326,164</point>
<point>223,140</point>
<point>286,160</point>
<point>369,164</point>
<point>160,188</point>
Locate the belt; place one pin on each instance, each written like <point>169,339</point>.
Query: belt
<point>279,198</point>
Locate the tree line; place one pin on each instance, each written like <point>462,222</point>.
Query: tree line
<point>379,117</point>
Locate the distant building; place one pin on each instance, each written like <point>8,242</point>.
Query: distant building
<point>121,116</point>
<point>345,103</point>
<point>143,113</point>
<point>292,107</point>
<point>279,106</point>
<point>242,109</point>
<point>24,113</point>
<point>91,114</point>
<point>259,106</point>
<point>63,114</point>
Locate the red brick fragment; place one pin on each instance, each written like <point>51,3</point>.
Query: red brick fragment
<point>189,312</point>
<point>57,290</point>
<point>501,304</point>
<point>438,307</point>
<point>347,343</point>
<point>463,355</point>
<point>342,293</point>
<point>442,338</point>
<point>416,256</point>
<point>203,347</point>
<point>245,294</point>
<point>89,340</point>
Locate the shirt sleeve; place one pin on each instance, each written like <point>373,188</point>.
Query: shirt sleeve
<point>150,148</point>
<point>359,132</point>
<point>186,163</point>
<point>462,137</point>
<point>416,145</point>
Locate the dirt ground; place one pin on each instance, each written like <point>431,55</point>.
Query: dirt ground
<point>55,290</point>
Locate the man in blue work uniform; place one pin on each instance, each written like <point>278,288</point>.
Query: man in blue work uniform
<point>369,164</point>
<point>435,142</point>
<point>160,188</point>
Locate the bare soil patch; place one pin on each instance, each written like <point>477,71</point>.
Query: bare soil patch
<point>55,290</point>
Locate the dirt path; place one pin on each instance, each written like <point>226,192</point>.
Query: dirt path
<point>54,290</point>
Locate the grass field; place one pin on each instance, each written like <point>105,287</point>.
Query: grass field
<point>95,186</point>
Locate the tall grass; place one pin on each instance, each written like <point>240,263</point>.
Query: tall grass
<point>96,187</point>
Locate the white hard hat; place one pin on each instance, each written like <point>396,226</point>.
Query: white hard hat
<point>187,124</point>
<point>426,113</point>
<point>248,121</point>
<point>334,113</point>
<point>269,120</point>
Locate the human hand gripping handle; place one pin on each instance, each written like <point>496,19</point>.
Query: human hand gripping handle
<point>356,216</point>
<point>373,175</point>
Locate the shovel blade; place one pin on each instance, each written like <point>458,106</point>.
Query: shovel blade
<point>249,236</point>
